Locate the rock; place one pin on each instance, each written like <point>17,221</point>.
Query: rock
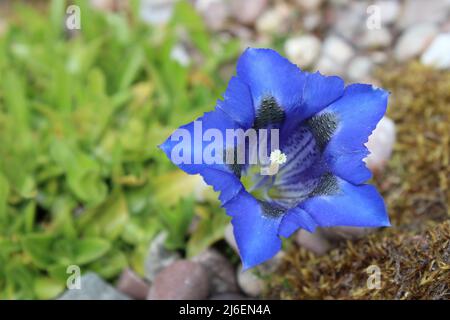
<point>251,282</point>
<point>309,5</point>
<point>380,145</point>
<point>228,296</point>
<point>158,256</point>
<point>182,280</point>
<point>247,12</point>
<point>156,12</point>
<point>132,285</point>
<point>328,67</point>
<point>375,38</point>
<point>414,41</point>
<point>438,54</point>
<point>302,50</point>
<point>311,20</point>
<point>313,242</point>
<point>274,20</point>
<point>215,13</point>
<point>360,69</point>
<point>337,49</point>
<point>347,22</point>
<point>389,11</point>
<point>229,237</point>
<point>221,272</point>
<point>93,288</point>
<point>180,55</point>
<point>418,11</point>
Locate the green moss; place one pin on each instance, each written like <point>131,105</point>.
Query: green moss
<point>414,254</point>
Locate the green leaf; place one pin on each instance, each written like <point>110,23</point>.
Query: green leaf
<point>88,250</point>
<point>210,229</point>
<point>4,193</point>
<point>106,220</point>
<point>47,288</point>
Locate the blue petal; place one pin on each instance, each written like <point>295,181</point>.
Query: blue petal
<point>216,119</point>
<point>294,219</point>
<point>358,111</point>
<point>267,73</point>
<point>256,233</point>
<point>353,206</point>
<point>218,175</point>
<point>238,103</point>
<point>319,92</point>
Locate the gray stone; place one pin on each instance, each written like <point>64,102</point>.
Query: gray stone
<point>414,41</point>
<point>93,288</point>
<point>313,242</point>
<point>229,237</point>
<point>132,285</point>
<point>228,296</point>
<point>158,256</point>
<point>389,11</point>
<point>303,50</point>
<point>221,272</point>
<point>247,12</point>
<point>418,11</point>
<point>157,12</point>
<point>251,282</point>
<point>309,5</point>
<point>438,54</point>
<point>214,12</point>
<point>375,38</point>
<point>274,20</point>
<point>337,49</point>
<point>182,280</point>
<point>360,68</point>
<point>380,145</point>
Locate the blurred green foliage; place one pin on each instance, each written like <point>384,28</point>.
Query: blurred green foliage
<point>81,179</point>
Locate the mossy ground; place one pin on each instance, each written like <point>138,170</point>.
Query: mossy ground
<point>414,254</point>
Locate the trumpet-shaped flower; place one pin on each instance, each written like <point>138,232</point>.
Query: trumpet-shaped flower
<point>320,173</point>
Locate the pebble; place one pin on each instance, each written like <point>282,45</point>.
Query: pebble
<point>93,288</point>
<point>132,285</point>
<point>214,12</point>
<point>274,20</point>
<point>414,41</point>
<point>158,256</point>
<point>229,237</point>
<point>309,5</point>
<point>360,69</point>
<point>438,53</point>
<point>250,281</point>
<point>156,12</point>
<point>389,11</point>
<point>221,271</point>
<point>380,145</point>
<point>228,296</point>
<point>182,280</point>
<point>337,49</point>
<point>418,11</point>
<point>375,38</point>
<point>303,50</point>
<point>247,12</point>
<point>313,242</point>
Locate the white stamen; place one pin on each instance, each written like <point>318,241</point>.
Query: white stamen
<point>277,157</point>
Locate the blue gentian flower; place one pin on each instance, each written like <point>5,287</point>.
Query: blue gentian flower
<point>320,181</point>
